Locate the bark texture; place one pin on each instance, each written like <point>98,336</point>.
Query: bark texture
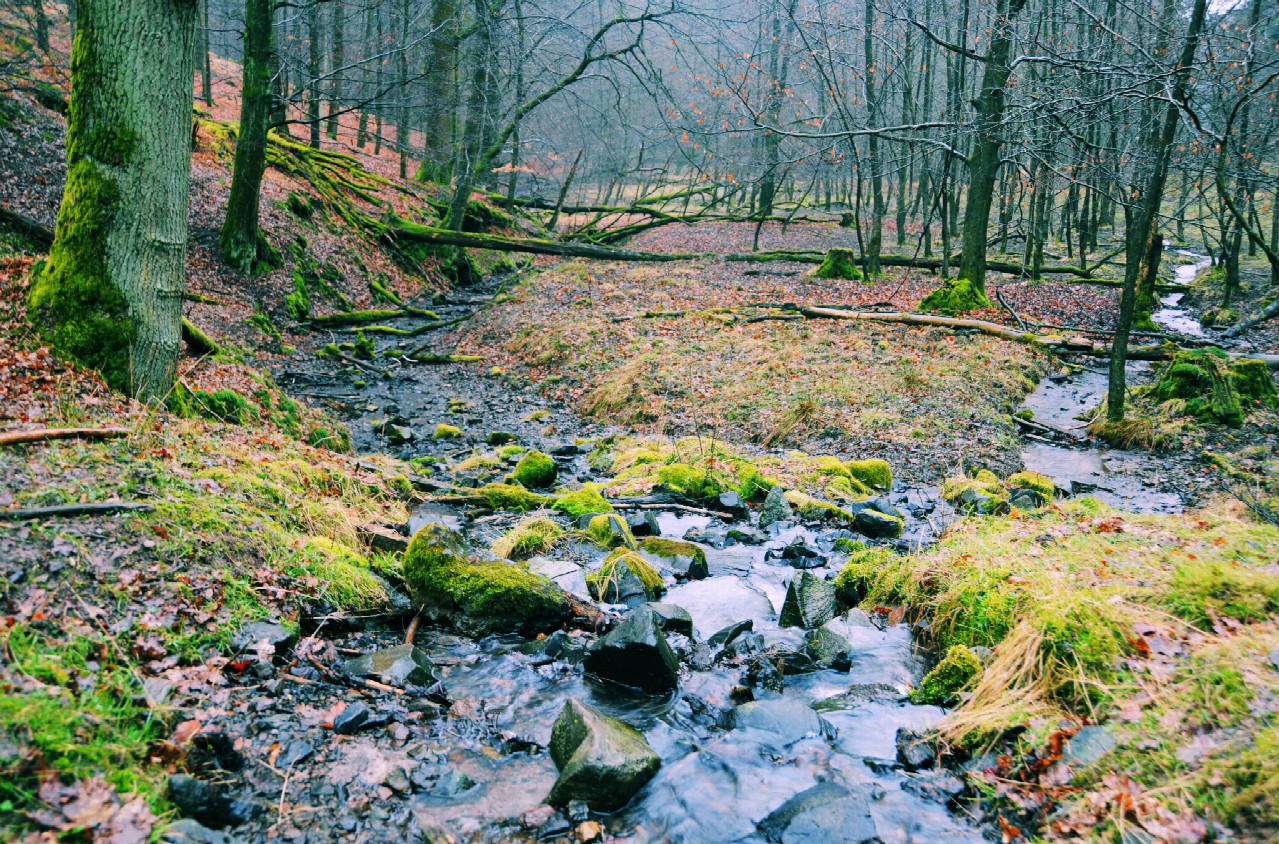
<point>240,235</point>
<point>111,292</point>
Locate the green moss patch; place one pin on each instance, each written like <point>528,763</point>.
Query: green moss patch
<point>873,473</point>
<point>527,539</point>
<point>956,670</point>
<point>839,263</point>
<point>583,501</point>
<point>535,470</point>
<point>955,297</point>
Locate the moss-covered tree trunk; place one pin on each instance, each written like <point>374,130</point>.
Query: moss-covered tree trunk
<point>969,290</point>
<point>241,239</point>
<point>875,234</point>
<point>1147,300</point>
<point>111,292</point>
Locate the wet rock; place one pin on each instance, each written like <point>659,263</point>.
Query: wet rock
<point>189,831</point>
<point>858,694</point>
<point>729,633</point>
<point>883,505</point>
<point>625,578</point>
<point>810,602</point>
<point>877,525</point>
<point>643,523</point>
<point>1273,656</point>
<point>578,811</point>
<point>354,718</point>
<point>827,813</point>
<point>681,560</point>
<point>1027,499</point>
<point>747,536</point>
<point>566,574</point>
<point>201,800</point>
<point>789,719</point>
<point>601,760</point>
<point>712,536</point>
<point>828,649</point>
<point>584,520</point>
<point>915,750</point>
<point>276,635</point>
<point>293,753</point>
<point>776,507</point>
<point>554,828</point>
<point>731,503</point>
<point>567,450</point>
<point>940,785</point>
<point>673,619</point>
<point>1087,746</point>
<point>398,666</point>
<point>635,653</point>
<point>479,595</point>
<point>382,538</point>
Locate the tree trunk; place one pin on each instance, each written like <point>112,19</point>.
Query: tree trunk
<point>476,114</point>
<point>337,60</point>
<point>240,236</point>
<point>875,238</point>
<point>314,68</point>
<point>367,91</point>
<point>206,62</point>
<point>984,161</point>
<point>1144,216</point>
<point>403,134</point>
<point>111,291</point>
<point>42,26</point>
<point>441,99</point>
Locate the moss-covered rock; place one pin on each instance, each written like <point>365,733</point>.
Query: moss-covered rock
<point>952,674</point>
<point>985,493</point>
<point>447,432</point>
<point>1201,379</point>
<point>625,578</point>
<point>511,497</point>
<point>848,489</point>
<point>479,596</point>
<point>955,297</point>
<point>873,472</point>
<point>500,438</point>
<point>535,470</point>
<point>582,502</point>
<point>601,760</point>
<point>839,263</point>
<point>611,530</point>
<point>815,510</point>
<point>854,579</point>
<point>682,560</point>
<point>1041,484</point>
<point>1252,380</point>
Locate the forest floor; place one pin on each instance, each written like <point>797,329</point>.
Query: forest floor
<point>122,660</point>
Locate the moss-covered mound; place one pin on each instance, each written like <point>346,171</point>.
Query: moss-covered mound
<point>815,510</point>
<point>953,673</point>
<point>624,575</point>
<point>1041,484</point>
<point>863,566</point>
<point>611,530</point>
<point>447,432</point>
<point>479,596</point>
<point>983,494</point>
<point>583,501</point>
<point>688,480</point>
<point>535,470</point>
<point>955,297</point>
<point>511,497</point>
<point>839,263</point>
<point>873,473</point>
<point>527,539</point>
<point>1213,388</point>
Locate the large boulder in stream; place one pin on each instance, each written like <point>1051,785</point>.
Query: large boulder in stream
<point>810,602</point>
<point>776,507</point>
<point>681,560</point>
<point>403,664</point>
<point>789,719</point>
<point>827,813</point>
<point>625,578</point>
<point>601,760</point>
<point>479,595</point>
<point>635,653</point>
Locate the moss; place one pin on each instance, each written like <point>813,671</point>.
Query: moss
<point>507,452</point>
<point>1203,380</point>
<point>74,302</point>
<point>952,674</point>
<point>848,489</point>
<point>535,470</point>
<point>481,462</point>
<point>955,297</point>
<point>610,530</point>
<point>839,263</point>
<point>605,582</point>
<point>852,584</point>
<point>696,483</point>
<point>831,466</point>
<point>223,406</point>
<point>583,501</point>
<point>510,497</point>
<point>447,432</point>
<point>873,472</point>
<point>996,496</point>
<point>490,595</point>
<point>1041,484</point>
<point>985,476</point>
<point>1025,413</point>
<point>1252,380</point>
<point>1206,590</point>
<point>673,548</point>
<point>344,576</point>
<point>500,438</point>
<point>530,537</point>
<point>337,440</point>
<point>812,509</point>
<point>752,484</point>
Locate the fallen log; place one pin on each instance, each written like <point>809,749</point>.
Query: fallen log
<point>367,317</point>
<point>198,343</point>
<point>47,434</point>
<point>73,510</point>
<point>430,235</point>
<point>40,236</point>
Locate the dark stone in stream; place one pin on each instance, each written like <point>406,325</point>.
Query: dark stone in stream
<point>188,831</point>
<point>1027,499</point>
<point>398,666</point>
<point>732,504</point>
<point>828,649</point>
<point>799,555</point>
<point>877,525</point>
<point>673,619</point>
<point>568,450</point>
<point>277,635</point>
<point>601,760</point>
<point>789,719</point>
<point>716,539</point>
<point>776,507</point>
<point>940,785</point>
<point>883,505</point>
<point>915,750</point>
<point>354,718</point>
<point>204,801</point>
<point>729,633</point>
<point>643,523</point>
<point>827,813</point>
<point>747,536</point>
<point>635,653</point>
<point>810,602</point>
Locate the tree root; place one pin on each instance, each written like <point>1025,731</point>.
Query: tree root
<point>73,510</point>
<point>47,434</point>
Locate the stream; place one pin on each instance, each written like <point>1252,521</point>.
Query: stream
<point>738,738</point>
